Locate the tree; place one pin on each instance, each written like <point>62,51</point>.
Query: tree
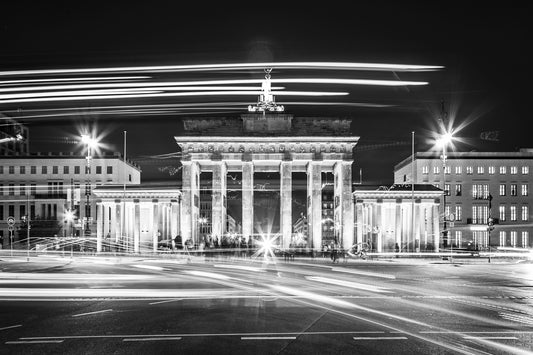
<point>39,229</point>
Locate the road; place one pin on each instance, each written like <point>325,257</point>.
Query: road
<point>55,305</point>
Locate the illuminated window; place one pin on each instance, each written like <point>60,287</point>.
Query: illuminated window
<point>503,170</point>
<point>513,189</point>
<point>458,238</point>
<point>525,213</point>
<point>525,170</point>
<point>513,213</point>
<point>458,170</point>
<point>502,213</point>
<point>503,236</point>
<point>502,190</point>
<point>524,190</point>
<point>480,170</point>
<point>425,170</point>
<point>525,239</point>
<point>492,170</point>
<point>447,189</point>
<point>447,169</point>
<point>513,239</point>
<point>435,170</point>
<point>469,170</point>
<point>514,170</point>
<point>458,189</point>
<point>458,212</point>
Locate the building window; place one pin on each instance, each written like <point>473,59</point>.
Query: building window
<point>503,170</point>
<point>502,190</point>
<point>513,213</point>
<point>76,169</point>
<point>11,169</point>
<point>435,170</point>
<point>98,169</point>
<point>447,189</point>
<point>492,170</point>
<point>480,214</point>
<point>110,170</point>
<point>129,177</point>
<point>425,170</point>
<point>514,170</point>
<point>513,239</point>
<point>524,189</point>
<point>480,191</point>
<point>525,170</point>
<point>458,238</point>
<point>1,212</point>
<point>22,189</point>
<point>44,169</point>
<point>469,170</point>
<point>11,210</point>
<point>458,170</point>
<point>55,169</point>
<point>458,212</point>
<point>1,169</point>
<point>33,169</point>
<point>22,211</point>
<point>447,169</point>
<point>525,239</point>
<point>65,169</point>
<point>22,169</point>
<point>502,213</point>
<point>481,170</point>
<point>458,189</point>
<point>513,189</point>
<point>11,189</point>
<point>33,189</point>
<point>1,189</point>
<point>503,236</point>
<point>525,213</point>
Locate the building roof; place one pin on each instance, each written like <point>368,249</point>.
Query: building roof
<point>524,153</point>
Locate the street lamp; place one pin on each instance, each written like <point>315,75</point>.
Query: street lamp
<point>444,140</point>
<point>91,143</point>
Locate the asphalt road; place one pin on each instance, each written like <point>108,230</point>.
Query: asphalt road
<point>178,306</point>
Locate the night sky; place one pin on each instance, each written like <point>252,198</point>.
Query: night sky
<point>484,86</point>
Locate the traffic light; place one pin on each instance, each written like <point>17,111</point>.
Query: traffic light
<point>490,223</point>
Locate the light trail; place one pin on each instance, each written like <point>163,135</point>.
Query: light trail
<point>349,284</point>
<point>184,94</point>
<point>10,82</point>
<point>232,66</point>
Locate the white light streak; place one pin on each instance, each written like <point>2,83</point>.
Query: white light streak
<point>239,267</point>
<point>349,284</point>
<point>184,94</point>
<point>209,275</point>
<point>260,65</point>
<point>91,313</point>
<point>9,82</point>
<point>217,82</point>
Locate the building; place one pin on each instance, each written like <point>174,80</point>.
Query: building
<point>46,186</point>
<point>481,188</point>
<point>14,137</point>
<point>268,142</point>
<point>399,216</point>
<point>137,218</point>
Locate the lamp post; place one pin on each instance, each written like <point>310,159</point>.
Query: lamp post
<point>90,143</point>
<point>444,140</point>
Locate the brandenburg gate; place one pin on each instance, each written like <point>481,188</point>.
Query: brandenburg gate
<point>268,142</point>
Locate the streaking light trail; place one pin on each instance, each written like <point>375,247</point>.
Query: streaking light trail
<point>221,67</point>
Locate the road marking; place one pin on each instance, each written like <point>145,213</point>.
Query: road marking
<point>365,273</point>
<point>89,313</point>
<point>34,342</point>
<point>491,338</point>
<point>379,338</point>
<point>166,301</point>
<point>343,283</point>
<point>268,338</point>
<point>239,267</point>
<point>150,267</point>
<point>151,339</point>
<point>11,326</point>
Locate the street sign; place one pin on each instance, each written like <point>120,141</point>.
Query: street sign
<point>10,228</point>
<point>11,221</point>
